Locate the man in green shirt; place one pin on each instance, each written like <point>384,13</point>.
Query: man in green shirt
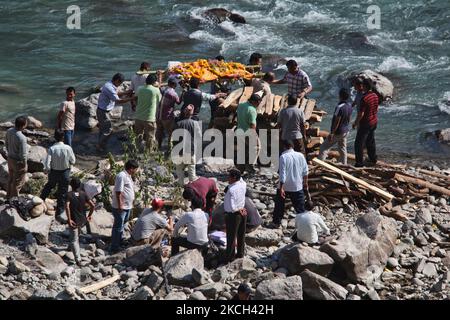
<point>148,98</point>
<point>246,121</point>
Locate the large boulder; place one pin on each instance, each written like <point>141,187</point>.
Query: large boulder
<point>12,225</point>
<point>101,223</point>
<point>3,173</point>
<point>33,123</point>
<point>363,251</point>
<point>443,135</point>
<point>381,85</point>
<point>217,165</point>
<point>317,287</point>
<point>36,158</point>
<point>179,267</point>
<point>49,261</point>
<point>264,237</point>
<point>86,112</point>
<point>142,257</point>
<point>280,289</point>
<point>296,258</point>
<point>219,15</point>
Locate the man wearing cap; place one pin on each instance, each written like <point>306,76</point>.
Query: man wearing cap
<point>246,129</point>
<point>151,226</point>
<point>107,100</point>
<point>165,118</point>
<point>190,132</point>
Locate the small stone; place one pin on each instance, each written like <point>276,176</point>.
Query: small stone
<point>353,297</point>
<point>16,267</point>
<point>418,282</point>
<point>3,269</point>
<point>392,262</point>
<point>423,216</point>
<point>373,295</point>
<point>3,261</point>
<point>176,296</point>
<point>351,287</point>
<point>143,293</point>
<point>434,237</point>
<point>429,270</point>
<point>220,275</point>
<point>442,202</point>
<point>420,240</point>
<point>67,272</point>
<point>197,295</point>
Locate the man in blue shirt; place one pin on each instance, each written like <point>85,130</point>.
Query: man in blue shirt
<point>107,100</point>
<point>340,126</point>
<point>293,172</point>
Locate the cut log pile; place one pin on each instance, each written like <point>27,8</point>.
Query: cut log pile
<point>268,111</point>
<point>385,186</point>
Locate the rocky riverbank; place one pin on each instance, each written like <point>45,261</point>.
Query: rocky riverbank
<point>369,256</point>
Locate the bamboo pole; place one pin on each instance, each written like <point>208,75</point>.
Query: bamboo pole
<point>99,285</point>
<point>422,183</point>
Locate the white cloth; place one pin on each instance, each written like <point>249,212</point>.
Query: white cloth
<point>235,197</point>
<point>293,168</point>
<point>124,184</point>
<point>197,224</point>
<point>308,225</point>
<point>60,157</point>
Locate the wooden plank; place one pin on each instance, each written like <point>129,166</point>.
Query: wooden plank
<point>262,105</point>
<point>309,108</point>
<point>99,285</point>
<point>303,103</point>
<point>277,103</point>
<point>314,118</point>
<point>315,142</point>
<point>248,91</point>
<point>422,183</point>
<point>232,97</point>
<point>376,190</point>
<point>313,132</point>
<point>269,104</point>
<point>320,112</point>
<point>284,102</point>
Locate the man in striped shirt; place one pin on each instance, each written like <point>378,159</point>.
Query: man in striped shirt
<point>366,122</point>
<point>297,80</point>
<point>59,161</point>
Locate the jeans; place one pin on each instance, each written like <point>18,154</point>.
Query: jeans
<point>120,218</point>
<point>236,225</point>
<point>68,136</point>
<point>105,127</point>
<point>365,137</point>
<point>298,202</point>
<point>341,140</point>
<point>60,178</point>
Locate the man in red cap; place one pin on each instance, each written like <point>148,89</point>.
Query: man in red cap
<point>151,226</point>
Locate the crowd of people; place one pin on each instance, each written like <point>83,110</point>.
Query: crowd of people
<point>154,107</point>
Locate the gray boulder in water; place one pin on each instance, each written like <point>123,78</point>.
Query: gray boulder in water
<point>219,15</point>
<point>381,85</point>
<point>443,135</point>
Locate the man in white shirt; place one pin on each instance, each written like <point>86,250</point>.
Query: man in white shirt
<point>197,229</point>
<point>122,202</point>
<point>235,215</point>
<point>58,163</point>
<point>309,224</point>
<point>293,180</point>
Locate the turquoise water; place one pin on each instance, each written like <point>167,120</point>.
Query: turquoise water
<point>39,56</point>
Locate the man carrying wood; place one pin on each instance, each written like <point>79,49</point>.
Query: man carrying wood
<point>291,122</point>
<point>293,180</point>
<point>366,122</point>
<point>297,80</point>
<point>340,126</point>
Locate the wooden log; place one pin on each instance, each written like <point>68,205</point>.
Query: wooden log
<point>248,91</point>
<point>313,132</point>
<point>99,285</point>
<point>376,190</point>
<point>269,104</point>
<point>320,112</point>
<point>388,211</point>
<point>337,181</point>
<point>315,141</point>
<point>309,109</point>
<point>232,97</point>
<point>314,118</point>
<point>422,183</point>
<point>302,104</point>
<point>283,102</point>
<point>277,104</point>
<point>324,134</point>
<point>434,174</point>
<point>262,106</point>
